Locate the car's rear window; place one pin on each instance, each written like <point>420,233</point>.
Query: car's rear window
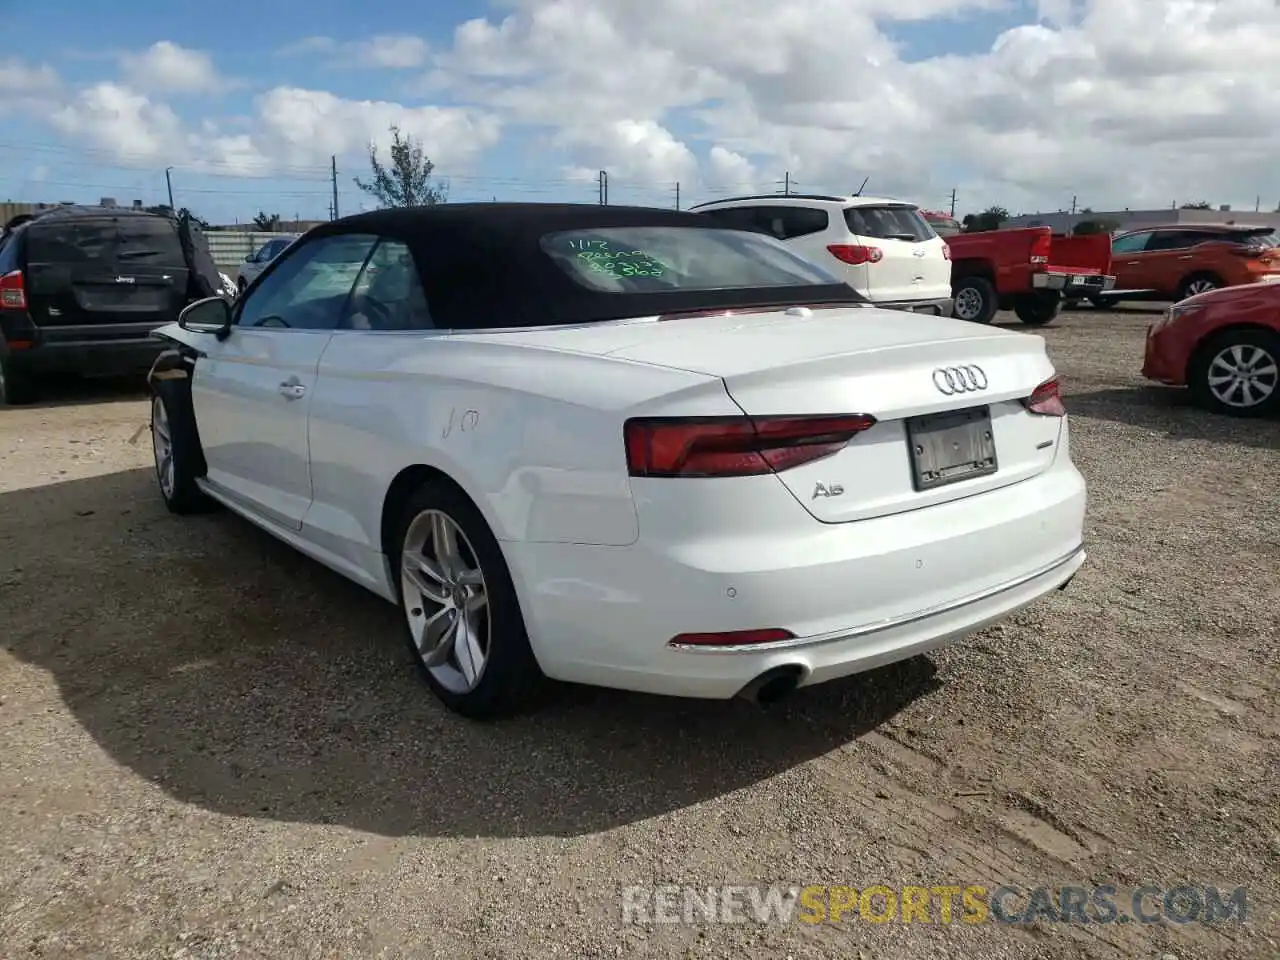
<point>890,222</point>
<point>1255,238</point>
<point>657,259</point>
<point>143,241</point>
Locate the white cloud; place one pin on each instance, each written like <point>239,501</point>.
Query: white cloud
<point>167,68</point>
<point>304,127</point>
<point>20,79</point>
<point>113,118</point>
<point>391,51</point>
<point>1120,102</point>
<point>1116,102</point>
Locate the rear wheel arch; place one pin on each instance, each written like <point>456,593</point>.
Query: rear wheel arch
<point>963,269</point>
<point>1184,285</point>
<point>403,486</point>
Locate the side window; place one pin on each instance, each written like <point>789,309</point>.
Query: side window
<point>771,220</point>
<point>802,221</point>
<point>9,258</point>
<point>1174,240</point>
<point>736,218</point>
<point>309,288</point>
<point>1134,243</point>
<point>388,293</point>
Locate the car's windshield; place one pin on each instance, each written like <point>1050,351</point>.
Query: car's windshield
<point>656,259</point>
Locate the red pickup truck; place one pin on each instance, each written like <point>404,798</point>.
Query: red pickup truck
<point>1027,270</point>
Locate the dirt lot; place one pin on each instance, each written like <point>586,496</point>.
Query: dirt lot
<point>211,747</point>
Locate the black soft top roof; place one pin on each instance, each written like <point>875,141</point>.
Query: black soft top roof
<point>483,265</point>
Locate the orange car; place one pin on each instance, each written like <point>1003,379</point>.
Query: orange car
<point>1176,262</point>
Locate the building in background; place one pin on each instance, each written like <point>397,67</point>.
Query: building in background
<point>1133,219</point>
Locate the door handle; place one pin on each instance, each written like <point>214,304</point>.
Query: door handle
<point>1133,263</point>
<point>292,390</point>
<point>1187,257</point>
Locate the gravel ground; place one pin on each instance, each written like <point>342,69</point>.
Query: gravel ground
<point>212,747</point>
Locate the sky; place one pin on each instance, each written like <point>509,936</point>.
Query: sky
<point>1029,104</point>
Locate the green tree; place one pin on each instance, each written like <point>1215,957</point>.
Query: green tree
<point>991,218</point>
<point>267,222</point>
<point>1198,205</point>
<point>184,214</point>
<point>1095,226</point>
<point>407,181</point>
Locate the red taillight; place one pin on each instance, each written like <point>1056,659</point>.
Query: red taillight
<point>13,294</point>
<point>734,446</point>
<point>1249,250</point>
<point>1040,248</point>
<point>1046,400</point>
<point>946,252</point>
<point>734,638</point>
<point>855,254</point>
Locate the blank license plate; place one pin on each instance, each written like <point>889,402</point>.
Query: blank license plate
<point>950,447</point>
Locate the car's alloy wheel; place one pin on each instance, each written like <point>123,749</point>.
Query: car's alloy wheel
<point>1200,285</point>
<point>162,444</point>
<point>968,304</point>
<point>1243,376</point>
<point>446,600</point>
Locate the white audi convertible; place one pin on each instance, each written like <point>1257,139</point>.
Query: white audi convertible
<point>621,446</point>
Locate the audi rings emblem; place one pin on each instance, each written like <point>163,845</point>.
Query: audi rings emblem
<point>967,379</point>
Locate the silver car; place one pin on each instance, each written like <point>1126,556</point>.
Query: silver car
<point>257,261</point>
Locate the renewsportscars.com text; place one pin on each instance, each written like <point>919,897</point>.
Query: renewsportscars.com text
<point>959,903</point>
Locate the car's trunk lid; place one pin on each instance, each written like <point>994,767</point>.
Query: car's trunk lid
<point>900,368</point>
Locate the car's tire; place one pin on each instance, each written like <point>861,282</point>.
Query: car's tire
<point>1198,283</point>
<point>1038,309</point>
<point>175,444</point>
<point>1104,303</point>
<point>468,594</point>
<point>17,386</point>
<point>1233,352</point>
<point>974,299</point>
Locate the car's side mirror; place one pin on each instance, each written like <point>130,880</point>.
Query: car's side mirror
<point>210,315</point>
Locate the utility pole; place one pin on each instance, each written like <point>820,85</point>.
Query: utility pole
<point>677,194</point>
<point>953,203</point>
<point>1073,205</point>
<point>604,188</point>
<point>169,183</point>
<point>333,175</point>
<point>786,183</point>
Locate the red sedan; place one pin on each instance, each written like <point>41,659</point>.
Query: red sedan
<point>1225,346</point>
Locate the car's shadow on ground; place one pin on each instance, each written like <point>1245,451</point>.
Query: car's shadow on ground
<point>64,391</point>
<point>1170,411</point>
<point>241,677</point>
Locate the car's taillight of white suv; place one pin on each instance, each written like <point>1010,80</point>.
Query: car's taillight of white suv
<point>885,249</point>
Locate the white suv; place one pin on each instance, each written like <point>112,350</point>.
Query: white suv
<point>885,249</point>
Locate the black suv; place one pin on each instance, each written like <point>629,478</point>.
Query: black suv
<point>81,289</point>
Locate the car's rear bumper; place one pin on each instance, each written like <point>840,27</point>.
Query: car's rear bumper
<point>855,595</point>
<point>1073,284</point>
<point>95,350</point>
<point>937,308</point>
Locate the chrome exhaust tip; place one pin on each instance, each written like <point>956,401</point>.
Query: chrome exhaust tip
<point>772,685</point>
